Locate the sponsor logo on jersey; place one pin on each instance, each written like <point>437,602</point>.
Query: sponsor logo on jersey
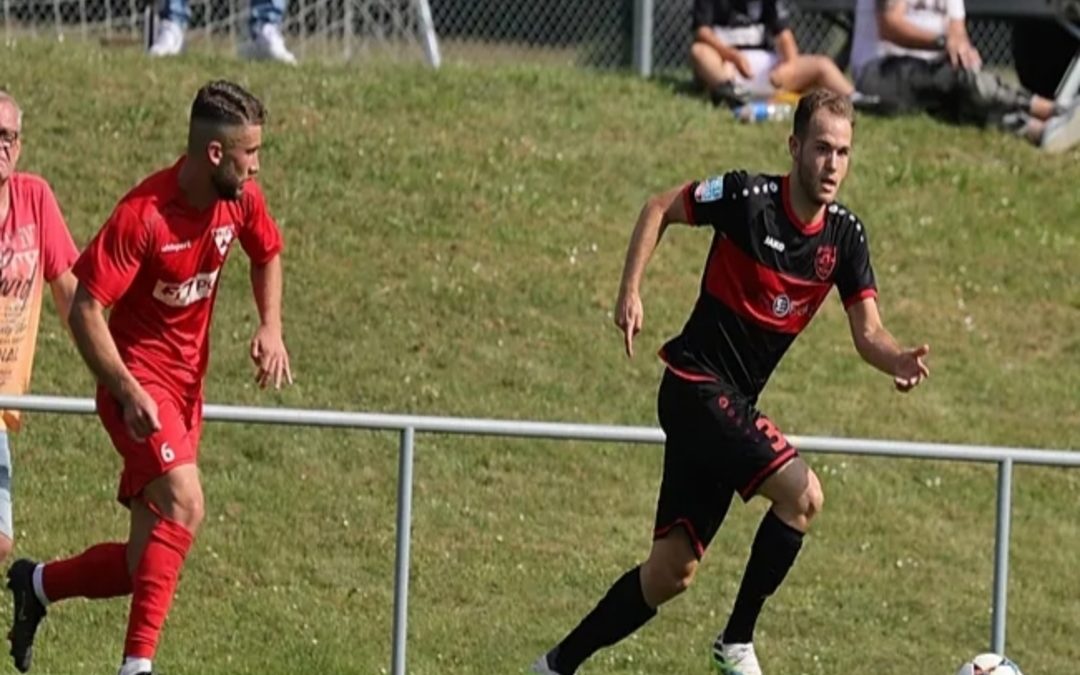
<point>781,305</point>
<point>775,244</point>
<point>825,261</point>
<point>223,236</point>
<point>175,246</point>
<point>709,190</point>
<point>198,287</point>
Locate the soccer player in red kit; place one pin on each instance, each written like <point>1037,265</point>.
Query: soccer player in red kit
<point>780,244</point>
<point>156,263</point>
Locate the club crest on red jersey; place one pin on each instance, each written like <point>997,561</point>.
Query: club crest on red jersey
<point>223,236</point>
<point>825,262</point>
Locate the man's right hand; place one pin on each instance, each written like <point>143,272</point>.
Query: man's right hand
<point>962,54</point>
<point>140,413</point>
<point>629,316</point>
<point>742,64</point>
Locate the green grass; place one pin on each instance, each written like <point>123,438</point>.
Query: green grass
<point>454,241</point>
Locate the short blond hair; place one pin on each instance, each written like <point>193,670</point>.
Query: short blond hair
<point>821,99</point>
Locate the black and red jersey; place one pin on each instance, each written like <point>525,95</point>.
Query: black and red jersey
<point>766,276</point>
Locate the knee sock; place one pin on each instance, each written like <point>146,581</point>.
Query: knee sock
<point>153,585</point>
<point>618,614</point>
<point>772,554</point>
<point>98,572</point>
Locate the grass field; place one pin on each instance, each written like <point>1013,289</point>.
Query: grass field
<point>454,241</point>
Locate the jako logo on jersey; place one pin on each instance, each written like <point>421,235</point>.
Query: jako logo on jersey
<point>198,287</point>
<point>781,305</point>
<point>709,190</point>
<point>223,236</point>
<point>775,244</point>
<point>825,262</point>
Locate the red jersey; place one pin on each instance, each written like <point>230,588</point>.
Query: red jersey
<point>157,261</point>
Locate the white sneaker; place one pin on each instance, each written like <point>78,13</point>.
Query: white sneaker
<point>735,659</point>
<point>169,39</point>
<point>1063,131</point>
<point>541,666</point>
<point>269,44</point>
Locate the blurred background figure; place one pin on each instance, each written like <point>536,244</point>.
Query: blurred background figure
<point>745,49</point>
<point>917,56</point>
<point>265,40</point>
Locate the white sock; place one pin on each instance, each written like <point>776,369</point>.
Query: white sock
<point>39,588</point>
<point>134,666</point>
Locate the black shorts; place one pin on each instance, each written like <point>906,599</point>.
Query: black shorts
<point>909,84</point>
<point>717,444</point>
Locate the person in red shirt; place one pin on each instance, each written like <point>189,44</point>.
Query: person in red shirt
<point>35,249</point>
<point>156,263</point>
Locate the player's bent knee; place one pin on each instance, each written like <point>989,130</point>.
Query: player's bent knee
<point>809,503</point>
<point>187,509</point>
<point>680,577</point>
<point>662,582</point>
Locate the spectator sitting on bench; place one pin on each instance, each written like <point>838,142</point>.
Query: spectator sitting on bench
<point>916,56</point>
<point>744,48</point>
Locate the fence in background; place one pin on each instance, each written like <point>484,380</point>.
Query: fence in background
<point>598,33</point>
<point>409,425</point>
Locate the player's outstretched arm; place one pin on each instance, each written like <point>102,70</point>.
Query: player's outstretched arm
<point>659,211</point>
<point>268,346</point>
<point>878,347</point>
<point>95,343</point>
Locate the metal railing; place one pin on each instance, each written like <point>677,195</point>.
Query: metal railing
<point>409,425</point>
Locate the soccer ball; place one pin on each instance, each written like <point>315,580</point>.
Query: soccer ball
<point>989,664</point>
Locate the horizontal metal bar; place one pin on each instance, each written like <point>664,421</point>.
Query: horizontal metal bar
<point>553,430</point>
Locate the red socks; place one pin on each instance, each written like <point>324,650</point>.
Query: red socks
<point>98,572</point>
<point>153,585</point>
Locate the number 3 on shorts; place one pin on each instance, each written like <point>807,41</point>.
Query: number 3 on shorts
<point>775,436</point>
<point>167,453</point>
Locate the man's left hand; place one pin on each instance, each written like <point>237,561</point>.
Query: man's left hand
<point>910,369</point>
<point>270,357</point>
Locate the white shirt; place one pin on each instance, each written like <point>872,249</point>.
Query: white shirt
<point>930,15</point>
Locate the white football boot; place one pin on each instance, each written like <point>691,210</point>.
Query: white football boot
<point>735,659</point>
<point>541,666</point>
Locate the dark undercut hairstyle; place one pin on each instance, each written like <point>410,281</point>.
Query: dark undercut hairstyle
<point>821,99</point>
<point>222,104</point>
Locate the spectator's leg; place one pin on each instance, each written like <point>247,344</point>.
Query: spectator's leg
<point>264,12</point>
<point>810,72</point>
<point>1033,131</point>
<point>709,68</point>
<point>1043,108</point>
<point>168,38</point>
<point>176,11</point>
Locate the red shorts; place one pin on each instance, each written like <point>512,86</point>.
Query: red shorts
<point>175,444</point>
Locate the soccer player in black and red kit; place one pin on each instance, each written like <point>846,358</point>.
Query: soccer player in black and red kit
<point>781,243</point>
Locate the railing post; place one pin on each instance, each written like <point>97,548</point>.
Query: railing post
<point>1001,556</point>
<point>404,529</point>
<point>643,37</point>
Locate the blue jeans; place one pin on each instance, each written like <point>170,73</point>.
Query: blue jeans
<point>262,12</point>
<point>6,526</point>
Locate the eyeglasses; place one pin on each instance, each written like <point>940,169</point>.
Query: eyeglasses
<point>8,138</point>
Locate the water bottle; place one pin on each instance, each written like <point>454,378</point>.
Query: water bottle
<point>763,111</point>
